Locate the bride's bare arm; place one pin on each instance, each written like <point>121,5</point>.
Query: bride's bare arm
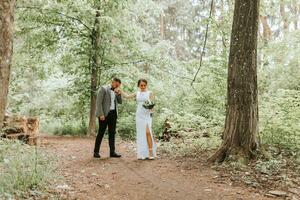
<point>128,96</point>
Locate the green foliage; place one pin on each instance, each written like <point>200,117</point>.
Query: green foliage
<point>70,128</point>
<point>52,66</point>
<point>280,116</point>
<point>23,168</point>
<point>190,145</point>
<point>126,127</point>
<point>279,93</point>
<point>270,167</point>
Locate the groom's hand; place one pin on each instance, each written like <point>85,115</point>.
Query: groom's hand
<point>102,118</point>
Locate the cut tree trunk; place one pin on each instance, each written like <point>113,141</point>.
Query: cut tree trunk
<point>22,128</point>
<point>15,125</point>
<point>240,137</point>
<point>7,10</point>
<point>33,124</point>
<point>95,65</point>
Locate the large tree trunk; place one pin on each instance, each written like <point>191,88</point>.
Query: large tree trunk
<point>241,124</point>
<point>96,39</point>
<point>7,10</point>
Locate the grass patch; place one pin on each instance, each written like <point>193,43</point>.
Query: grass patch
<point>23,169</point>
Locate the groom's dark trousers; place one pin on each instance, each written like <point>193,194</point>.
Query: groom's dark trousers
<point>110,122</point>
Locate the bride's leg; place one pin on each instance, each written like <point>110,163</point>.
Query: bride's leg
<point>149,141</point>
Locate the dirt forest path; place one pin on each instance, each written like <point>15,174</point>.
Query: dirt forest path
<point>130,179</point>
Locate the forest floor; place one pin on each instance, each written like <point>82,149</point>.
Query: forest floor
<point>84,177</point>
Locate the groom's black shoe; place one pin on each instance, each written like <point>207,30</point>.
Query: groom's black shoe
<point>115,155</point>
<point>97,155</point>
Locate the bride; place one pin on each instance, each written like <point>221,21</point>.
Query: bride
<point>146,147</point>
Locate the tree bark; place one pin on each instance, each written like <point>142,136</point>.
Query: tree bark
<point>96,40</point>
<point>213,9</point>
<point>7,10</point>
<point>240,137</point>
<point>294,8</point>
<point>162,26</point>
<point>283,15</point>
<point>267,33</point>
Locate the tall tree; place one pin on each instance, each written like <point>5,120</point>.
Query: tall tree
<point>294,8</point>
<point>7,10</point>
<point>267,33</point>
<point>95,68</point>
<point>162,25</point>
<point>241,124</point>
<point>284,15</point>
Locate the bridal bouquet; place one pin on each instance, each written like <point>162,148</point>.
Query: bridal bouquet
<point>148,104</point>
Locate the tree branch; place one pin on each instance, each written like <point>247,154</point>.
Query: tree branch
<point>204,45</point>
<point>56,12</point>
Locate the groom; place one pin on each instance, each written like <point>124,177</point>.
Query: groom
<point>106,112</point>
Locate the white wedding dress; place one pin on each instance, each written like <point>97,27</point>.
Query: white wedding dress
<point>143,120</point>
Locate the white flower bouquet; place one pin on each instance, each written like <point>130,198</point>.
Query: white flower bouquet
<point>148,104</point>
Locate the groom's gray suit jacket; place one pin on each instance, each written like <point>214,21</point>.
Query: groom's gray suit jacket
<point>104,101</point>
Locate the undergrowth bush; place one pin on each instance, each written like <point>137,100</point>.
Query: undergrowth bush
<point>126,126</point>
<point>279,124</point>
<point>190,145</point>
<point>270,167</point>
<point>64,127</point>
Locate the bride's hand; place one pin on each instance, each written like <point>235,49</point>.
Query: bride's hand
<point>118,91</point>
